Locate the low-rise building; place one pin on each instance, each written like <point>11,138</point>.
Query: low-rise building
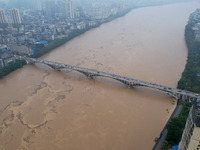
<point>194,143</point>
<point>21,50</point>
<point>91,23</point>
<point>1,63</point>
<point>9,61</point>
<point>81,25</point>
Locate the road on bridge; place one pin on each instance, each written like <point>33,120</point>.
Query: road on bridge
<point>130,82</point>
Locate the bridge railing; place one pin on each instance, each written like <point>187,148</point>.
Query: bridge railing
<point>113,76</point>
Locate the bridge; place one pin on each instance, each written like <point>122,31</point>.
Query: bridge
<point>129,82</point>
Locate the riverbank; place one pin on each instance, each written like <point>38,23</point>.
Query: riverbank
<point>189,81</point>
<point>162,139</point>
<point>12,67</point>
<point>56,43</point>
<point>173,130</point>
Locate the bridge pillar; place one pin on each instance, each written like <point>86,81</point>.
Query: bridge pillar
<point>180,99</point>
<point>129,84</point>
<point>183,97</point>
<point>88,75</point>
<point>55,67</point>
<point>29,62</point>
<point>190,99</point>
<point>175,95</point>
<point>198,99</point>
<point>179,96</point>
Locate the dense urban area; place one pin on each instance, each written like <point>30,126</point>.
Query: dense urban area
<point>33,32</point>
<point>49,24</point>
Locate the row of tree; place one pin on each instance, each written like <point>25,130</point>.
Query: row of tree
<point>175,128</point>
<point>40,50</point>
<point>189,81</point>
<point>8,69</point>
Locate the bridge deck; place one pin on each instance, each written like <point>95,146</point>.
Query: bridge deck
<point>132,81</point>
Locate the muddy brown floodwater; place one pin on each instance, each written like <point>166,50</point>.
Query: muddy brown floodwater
<point>47,110</point>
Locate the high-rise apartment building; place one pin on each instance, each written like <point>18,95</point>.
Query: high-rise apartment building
<point>50,8</point>
<point>190,139</point>
<point>71,9</point>
<point>38,5</point>
<point>3,19</point>
<point>15,16</point>
<point>62,6</point>
<point>67,9</point>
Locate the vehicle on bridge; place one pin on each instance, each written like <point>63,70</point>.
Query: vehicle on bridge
<point>130,82</point>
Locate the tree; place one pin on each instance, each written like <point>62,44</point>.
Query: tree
<point>174,129</point>
<point>164,146</point>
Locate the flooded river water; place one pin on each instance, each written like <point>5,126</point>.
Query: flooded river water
<point>47,110</point>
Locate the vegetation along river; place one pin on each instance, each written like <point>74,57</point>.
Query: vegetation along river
<point>48,110</point>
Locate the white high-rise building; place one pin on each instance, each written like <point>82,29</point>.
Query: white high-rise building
<point>67,9</point>
<point>3,19</point>
<point>38,5</point>
<point>190,139</point>
<point>71,9</point>
<point>63,5</point>
<point>15,16</point>
<point>50,8</point>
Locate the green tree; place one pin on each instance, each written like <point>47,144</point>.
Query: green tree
<point>164,146</point>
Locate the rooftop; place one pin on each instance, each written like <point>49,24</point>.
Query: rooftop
<point>195,140</point>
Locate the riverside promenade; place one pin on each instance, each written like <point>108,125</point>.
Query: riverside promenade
<point>163,133</point>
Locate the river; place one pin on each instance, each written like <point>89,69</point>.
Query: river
<point>47,110</point>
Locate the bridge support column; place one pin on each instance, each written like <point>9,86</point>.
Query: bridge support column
<point>183,97</point>
<point>180,100</point>
<point>129,84</point>
<point>174,95</point>
<point>29,62</point>
<point>189,98</point>
<point>55,67</point>
<point>198,99</point>
<point>88,75</point>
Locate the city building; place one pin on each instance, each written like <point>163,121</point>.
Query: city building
<point>3,19</point>
<point>67,9</point>
<point>76,13</point>
<point>81,25</point>
<point>38,5</point>
<point>91,23</point>
<point>20,50</point>
<point>195,140</point>
<point>15,16</point>
<point>50,8</point>
<point>71,9</point>
<point>47,20</point>
<point>191,135</point>
<point>64,8</point>
<point>1,63</point>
